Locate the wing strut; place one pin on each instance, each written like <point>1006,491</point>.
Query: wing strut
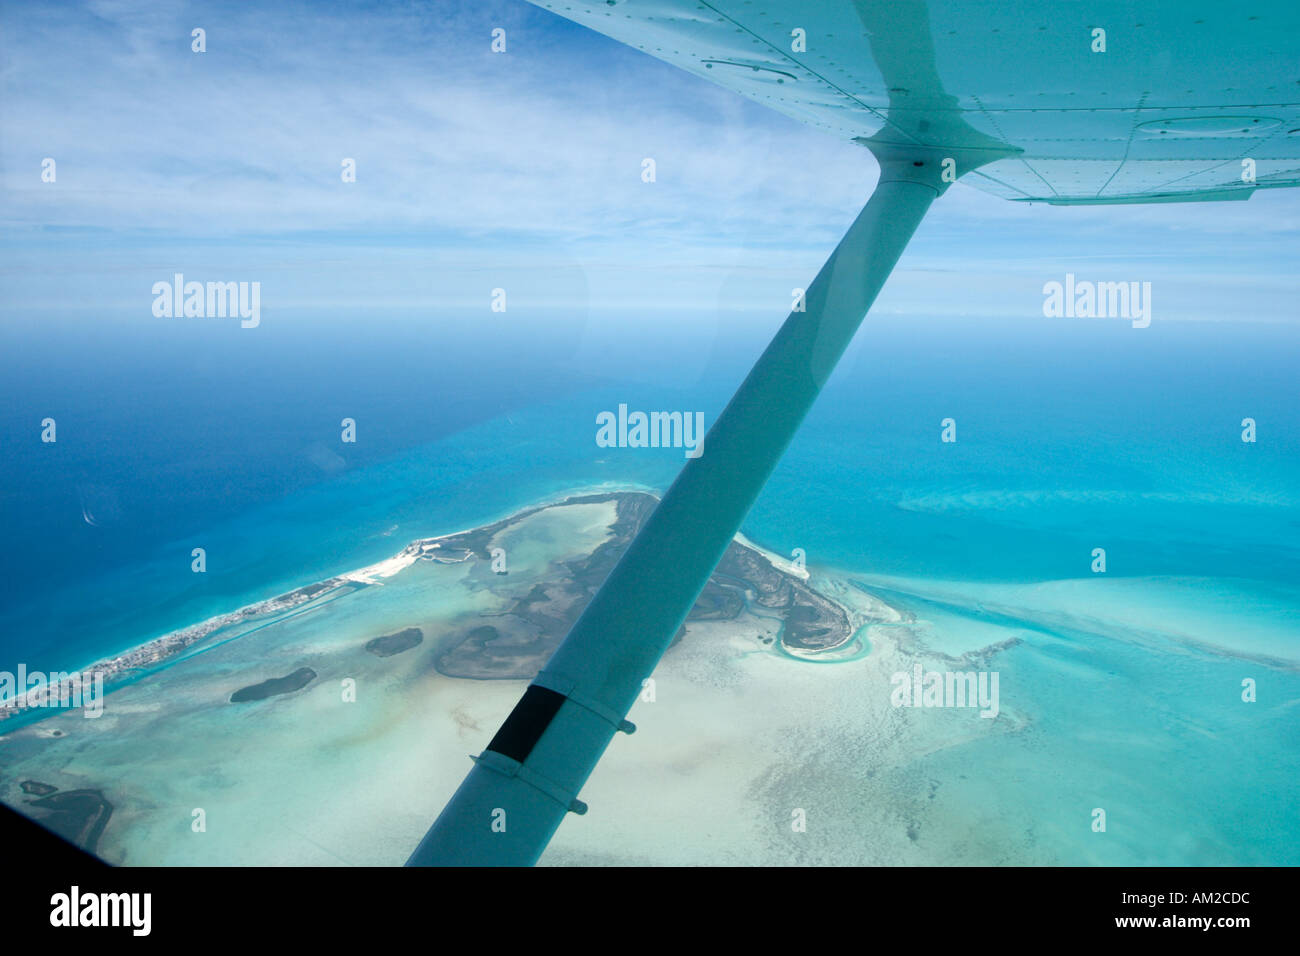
<point>528,778</point>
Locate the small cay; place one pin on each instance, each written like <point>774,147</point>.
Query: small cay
<point>391,644</point>
<point>275,686</point>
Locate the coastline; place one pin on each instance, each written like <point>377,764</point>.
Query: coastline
<point>141,658</point>
<point>159,650</point>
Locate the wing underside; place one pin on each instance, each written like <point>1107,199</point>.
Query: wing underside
<point>1171,101</point>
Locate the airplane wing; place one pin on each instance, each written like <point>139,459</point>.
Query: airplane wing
<point>1068,103</point>
<point>1164,104</point>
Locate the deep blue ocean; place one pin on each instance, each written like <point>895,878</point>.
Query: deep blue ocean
<point>1068,438</point>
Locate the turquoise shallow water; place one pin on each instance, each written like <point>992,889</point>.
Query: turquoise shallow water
<point>1066,442</point>
<point>1123,718</point>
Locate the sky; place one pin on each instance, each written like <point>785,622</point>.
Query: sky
<point>477,170</point>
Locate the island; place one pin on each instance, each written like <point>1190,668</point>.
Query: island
<point>516,644</point>
<point>391,644</point>
<point>79,816</point>
<point>275,686</point>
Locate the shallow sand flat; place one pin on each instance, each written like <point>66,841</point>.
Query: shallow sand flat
<point>1220,615</point>
<point>536,540</point>
<point>307,777</point>
<point>172,741</point>
<point>738,738</point>
<point>1145,727</point>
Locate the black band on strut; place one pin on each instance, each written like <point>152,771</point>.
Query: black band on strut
<point>526,723</point>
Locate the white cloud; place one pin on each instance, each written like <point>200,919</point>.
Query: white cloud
<point>460,148</point>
